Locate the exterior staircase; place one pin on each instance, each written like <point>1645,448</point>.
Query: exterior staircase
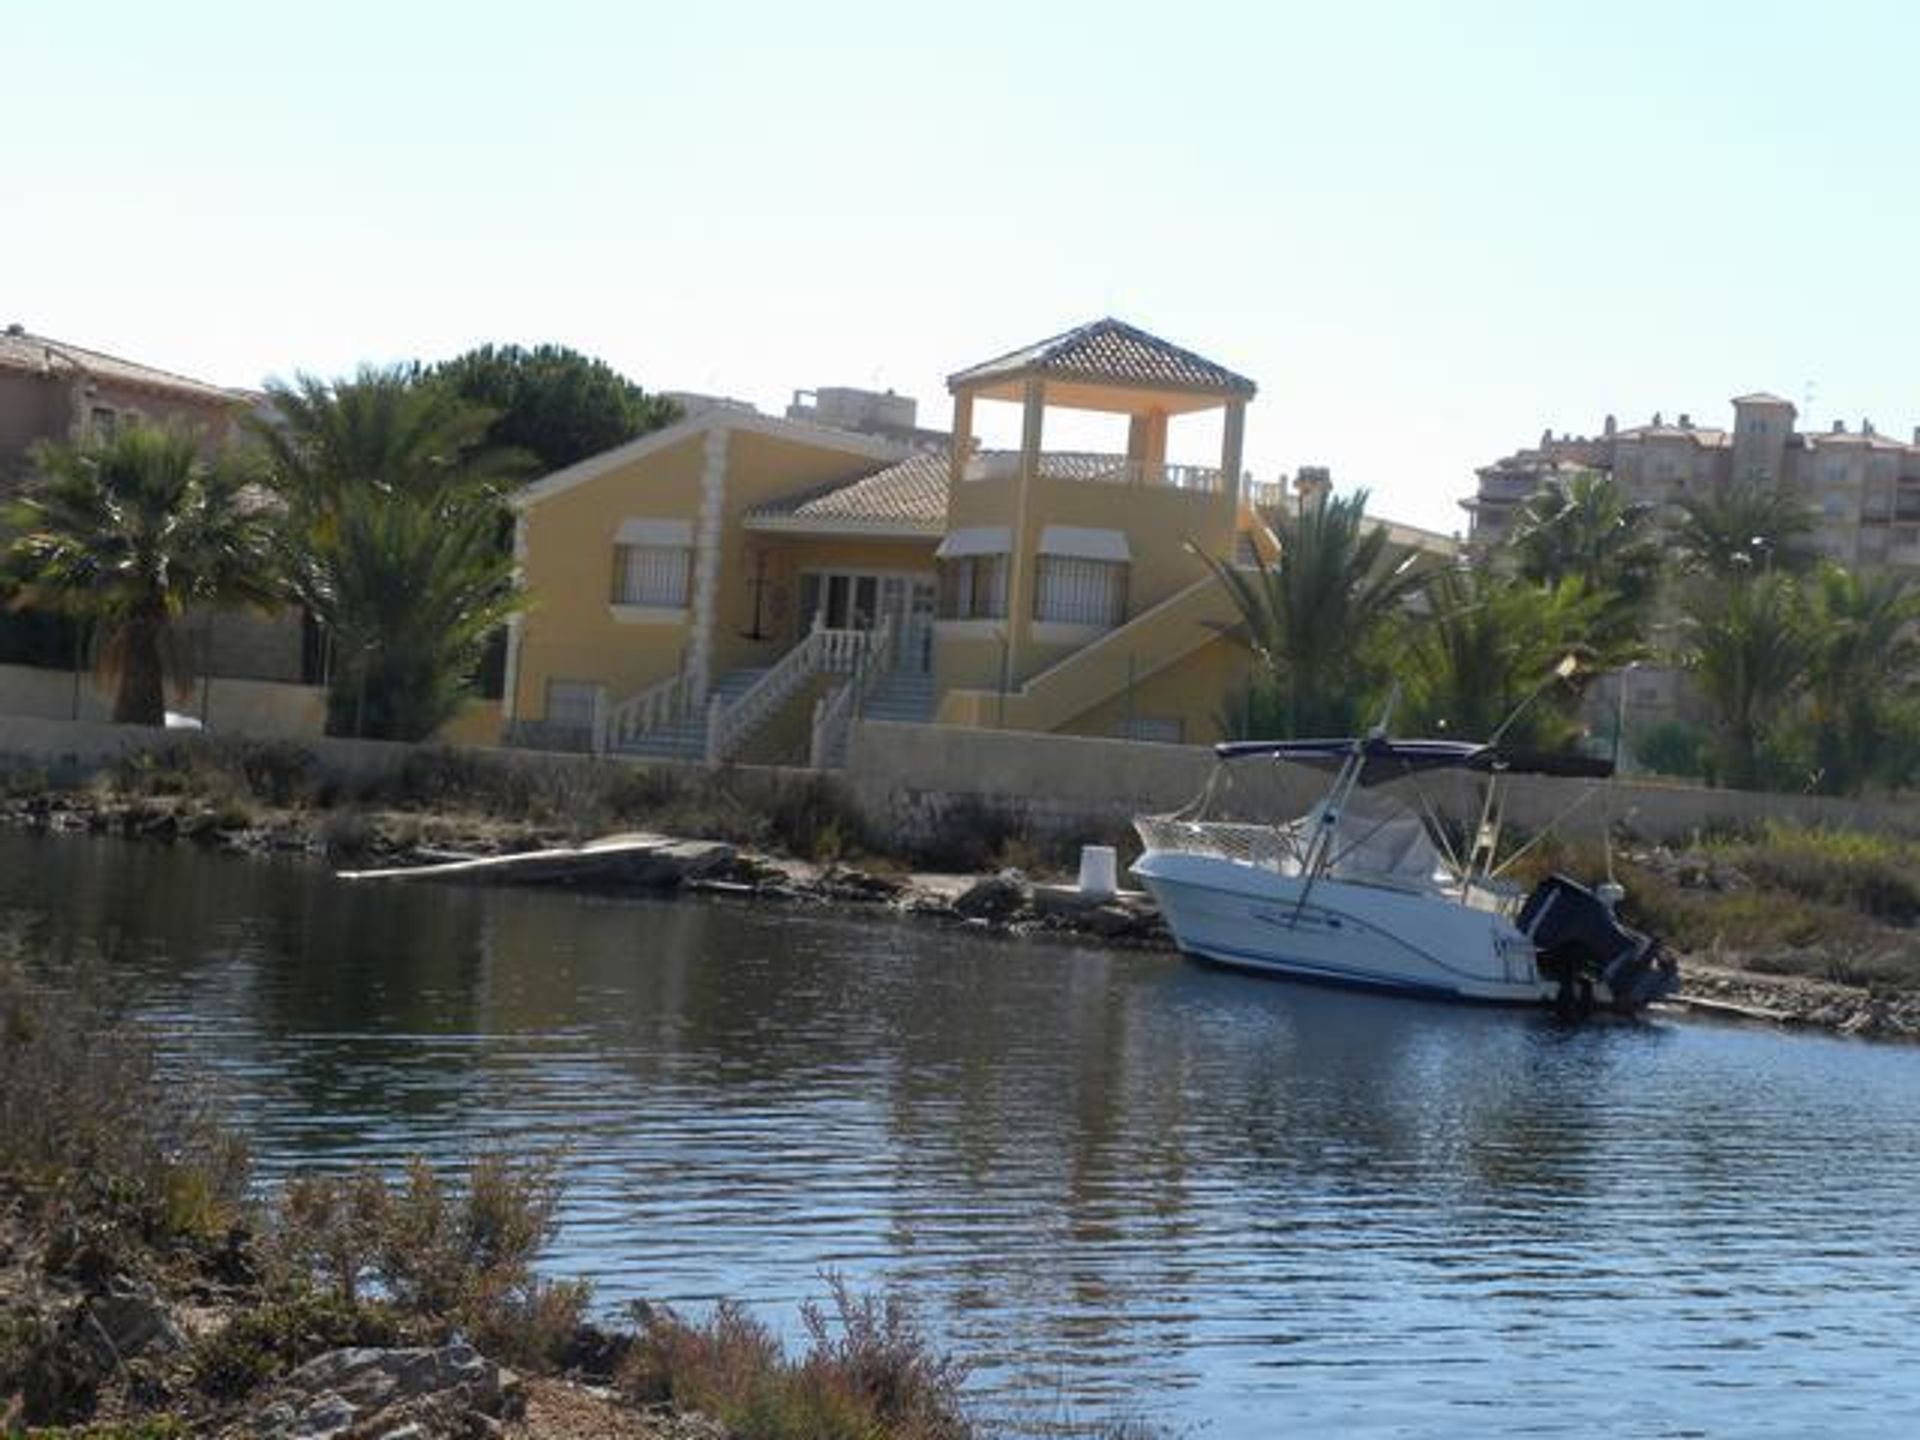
<point>905,695</point>
<point>664,722</point>
<point>683,736</point>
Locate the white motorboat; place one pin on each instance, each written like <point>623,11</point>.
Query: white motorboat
<point>1369,887</point>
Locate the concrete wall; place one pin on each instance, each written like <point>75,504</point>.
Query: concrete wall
<point>264,708</point>
<point>257,709</point>
<point>907,778</point>
<point>67,751</point>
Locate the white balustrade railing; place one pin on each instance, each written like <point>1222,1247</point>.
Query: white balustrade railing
<point>658,707</point>
<point>823,651</point>
<point>833,714</point>
<point>1104,470</point>
<point>1265,494</point>
<point>729,726</point>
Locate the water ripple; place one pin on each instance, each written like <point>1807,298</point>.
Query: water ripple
<point>1116,1182</point>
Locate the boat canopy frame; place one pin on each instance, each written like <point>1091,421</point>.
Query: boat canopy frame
<point>1375,759</point>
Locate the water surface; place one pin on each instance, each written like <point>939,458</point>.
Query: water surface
<point>1120,1183</point>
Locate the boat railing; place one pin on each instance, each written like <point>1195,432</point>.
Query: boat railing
<point>1268,846</point>
<point>1283,849</point>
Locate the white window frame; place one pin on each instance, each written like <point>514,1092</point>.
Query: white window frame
<point>652,577</point>
<point>1080,594</point>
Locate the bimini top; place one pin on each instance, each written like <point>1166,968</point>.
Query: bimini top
<point>1397,759</point>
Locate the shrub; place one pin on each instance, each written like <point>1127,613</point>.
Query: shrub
<point>1672,747</point>
<point>970,836</point>
<point>97,1135</point>
<point>260,1344</point>
<point>446,1258</point>
<point>868,1370</point>
<point>1875,874</point>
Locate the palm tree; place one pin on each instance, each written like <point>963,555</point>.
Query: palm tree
<point>1317,618</point>
<point>1865,659</point>
<point>1490,644</point>
<point>1585,529</point>
<point>1747,528</point>
<point>391,539</point>
<point>408,590</point>
<point>125,534</point>
<point>1749,647</point>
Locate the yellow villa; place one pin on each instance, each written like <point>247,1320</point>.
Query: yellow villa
<point>739,587</point>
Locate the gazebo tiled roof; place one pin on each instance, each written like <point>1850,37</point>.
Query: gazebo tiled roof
<point>1109,352</point>
<point>907,497</point>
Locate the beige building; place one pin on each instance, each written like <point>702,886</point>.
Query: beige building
<point>1863,486</point>
<point>739,585</point>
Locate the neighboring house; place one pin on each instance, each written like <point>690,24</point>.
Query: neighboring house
<point>53,390</point>
<point>737,586</point>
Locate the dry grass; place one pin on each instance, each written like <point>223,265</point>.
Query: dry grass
<point>867,1371</point>
<point>100,1141</point>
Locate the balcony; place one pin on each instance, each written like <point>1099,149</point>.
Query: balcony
<point>1508,487</point>
<point>1104,470</point>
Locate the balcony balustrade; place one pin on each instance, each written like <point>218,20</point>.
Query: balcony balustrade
<point>1105,470</point>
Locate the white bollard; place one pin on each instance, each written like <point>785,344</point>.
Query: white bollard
<point>1098,868</point>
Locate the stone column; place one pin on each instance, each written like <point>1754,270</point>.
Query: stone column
<point>962,446</point>
<point>1019,558</point>
<point>1232,438</point>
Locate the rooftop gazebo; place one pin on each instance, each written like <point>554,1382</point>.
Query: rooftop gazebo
<point>1118,529</point>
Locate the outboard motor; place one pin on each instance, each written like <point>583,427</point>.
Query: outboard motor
<point>1578,941</point>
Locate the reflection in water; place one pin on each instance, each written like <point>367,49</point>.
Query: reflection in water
<point>1115,1180</point>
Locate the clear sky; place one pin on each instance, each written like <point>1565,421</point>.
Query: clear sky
<point>1428,231</point>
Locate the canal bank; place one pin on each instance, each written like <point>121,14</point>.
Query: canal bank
<point>1778,983</point>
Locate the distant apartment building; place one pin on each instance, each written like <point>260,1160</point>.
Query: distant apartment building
<point>1863,486</point>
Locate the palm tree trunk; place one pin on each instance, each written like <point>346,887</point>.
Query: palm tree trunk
<point>140,696</point>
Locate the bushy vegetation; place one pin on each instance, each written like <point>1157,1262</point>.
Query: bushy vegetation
<point>1838,905</point>
<point>1802,676</point>
<point>867,1370</point>
<point>109,1151</point>
<point>441,1258</point>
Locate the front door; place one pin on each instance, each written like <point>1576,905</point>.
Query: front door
<point>839,601</point>
<point>848,601</point>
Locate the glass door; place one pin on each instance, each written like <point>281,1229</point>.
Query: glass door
<point>841,601</point>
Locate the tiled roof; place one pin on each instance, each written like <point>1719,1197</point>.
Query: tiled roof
<point>41,356</point>
<point>1761,397</point>
<point>1109,351</point>
<point>1821,440</point>
<point>1699,434</point>
<point>910,494</point>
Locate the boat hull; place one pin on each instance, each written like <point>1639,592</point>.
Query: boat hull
<point>1250,917</point>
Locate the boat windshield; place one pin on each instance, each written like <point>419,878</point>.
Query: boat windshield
<point>1392,845</point>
